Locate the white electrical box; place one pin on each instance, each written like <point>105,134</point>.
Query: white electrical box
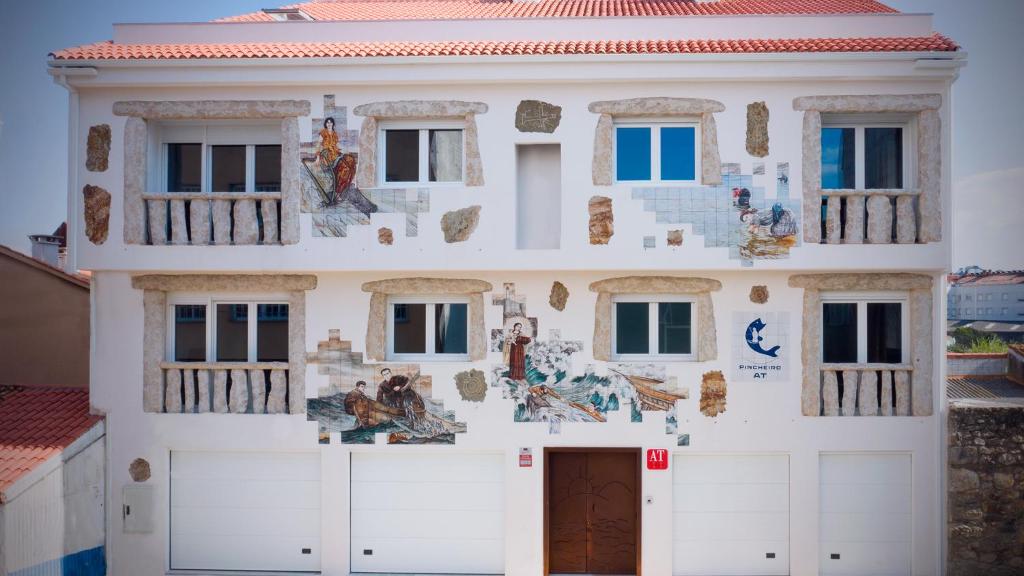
<point>137,509</point>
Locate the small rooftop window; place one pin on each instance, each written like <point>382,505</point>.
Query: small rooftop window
<point>286,14</point>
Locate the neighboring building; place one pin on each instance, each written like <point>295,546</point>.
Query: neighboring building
<point>45,319</point>
<point>990,295</point>
<point>411,287</point>
<point>52,483</point>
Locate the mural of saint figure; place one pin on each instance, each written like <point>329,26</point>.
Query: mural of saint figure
<point>514,352</point>
<point>333,172</point>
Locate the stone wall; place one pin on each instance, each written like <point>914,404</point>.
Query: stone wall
<point>959,364</point>
<point>986,488</point>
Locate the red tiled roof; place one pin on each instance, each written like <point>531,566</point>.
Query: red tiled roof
<point>36,424</point>
<point>479,9</point>
<point>79,279</point>
<point>111,51</point>
<point>990,278</point>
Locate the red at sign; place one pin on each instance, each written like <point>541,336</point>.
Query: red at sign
<point>657,459</point>
<point>525,460</point>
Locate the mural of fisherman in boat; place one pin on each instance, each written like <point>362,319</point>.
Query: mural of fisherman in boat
<point>764,233</point>
<point>332,173</point>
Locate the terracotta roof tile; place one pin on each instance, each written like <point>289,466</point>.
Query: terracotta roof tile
<point>37,423</point>
<point>111,51</point>
<point>504,9</point>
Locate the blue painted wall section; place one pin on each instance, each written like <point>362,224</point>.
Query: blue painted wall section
<point>91,562</point>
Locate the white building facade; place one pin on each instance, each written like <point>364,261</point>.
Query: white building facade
<point>491,294</point>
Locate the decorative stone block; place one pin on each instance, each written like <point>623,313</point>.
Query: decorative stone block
<point>179,229</point>
<point>157,210</point>
<point>188,392</point>
<point>139,470</point>
<point>135,141</point>
<point>96,206</point>
<point>879,220</point>
<point>811,169</point>
<point>199,222</point>
<point>810,391</point>
<point>471,144</point>
<point>559,296</point>
<point>712,393</point>
<point>850,379</point>
<point>268,209</point>
<point>172,392</point>
<point>906,220</point>
<point>97,148</point>
<point>259,391</point>
<point>885,403</point>
<point>759,294</point>
<point>867,393</point>
<point>366,168</point>
<point>674,238</point>
<point>757,129</point>
<point>602,167</point>
<point>221,222</point>
<point>902,385</point>
<point>220,391</point>
<point>385,236</point>
<point>459,225</point>
<point>830,394</point>
<point>291,181</point>
<point>296,352</point>
<point>833,226</point>
<point>537,116</point>
<point>154,309</point>
<point>929,175</point>
<point>854,232</point>
<point>202,391</point>
<point>710,160</point>
<point>238,399</point>
<point>246,225</point>
<point>278,388</point>
<point>602,220</point>
<point>472,385</point>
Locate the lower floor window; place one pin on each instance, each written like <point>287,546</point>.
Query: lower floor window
<point>428,328</point>
<point>215,330</point>
<point>863,329</point>
<point>652,326</point>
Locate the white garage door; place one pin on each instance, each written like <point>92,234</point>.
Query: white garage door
<point>428,513</point>
<point>865,514</point>
<point>730,514</point>
<point>245,511</point>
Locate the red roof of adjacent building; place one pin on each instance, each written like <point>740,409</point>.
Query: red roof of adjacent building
<point>36,424</point>
<point>112,51</point>
<point>989,278</point>
<point>503,9</point>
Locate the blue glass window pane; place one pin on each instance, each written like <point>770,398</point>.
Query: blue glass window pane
<point>678,153</point>
<point>837,159</point>
<point>633,153</point>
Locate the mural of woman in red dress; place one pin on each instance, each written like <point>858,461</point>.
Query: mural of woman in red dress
<point>514,352</point>
<point>334,173</point>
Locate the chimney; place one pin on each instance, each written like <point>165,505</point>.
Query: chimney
<point>50,248</point>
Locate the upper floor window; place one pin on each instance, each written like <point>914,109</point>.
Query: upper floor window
<point>220,158</point>
<point>428,327</point>
<point>864,155</point>
<point>657,152</point>
<point>864,328</point>
<point>204,329</point>
<point>422,153</point>
<point>653,326</point>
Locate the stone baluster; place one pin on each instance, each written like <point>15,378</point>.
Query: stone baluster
<point>867,398</point>
<point>222,222</point>
<point>199,220</point>
<point>902,392</point>
<point>247,229</point>
<point>238,401</point>
<point>157,221</point>
<point>259,390</point>
<point>879,219</point>
<point>906,220</point>
<point>278,388</point>
<point>268,208</point>
<point>189,390</point>
<point>179,231</point>
<point>172,393</point>
<point>850,392</point>
<point>854,233</point>
<point>886,404</point>
<point>203,395</point>
<point>220,391</point>
<point>830,394</point>
<point>833,221</point>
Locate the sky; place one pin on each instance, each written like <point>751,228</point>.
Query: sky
<point>988,114</point>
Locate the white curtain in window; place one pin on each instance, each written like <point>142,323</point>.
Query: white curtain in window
<point>446,155</point>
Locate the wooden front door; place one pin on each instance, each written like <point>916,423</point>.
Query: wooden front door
<point>593,510</point>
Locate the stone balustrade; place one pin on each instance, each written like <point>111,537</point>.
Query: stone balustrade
<point>223,387</point>
<point>213,218</point>
<point>866,389</point>
<point>884,216</point>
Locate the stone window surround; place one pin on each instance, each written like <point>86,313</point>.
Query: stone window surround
<point>919,288</point>
<point>380,290</point>
<point>136,140</point>
<point>701,288</point>
<point>374,112</point>
<point>929,152</point>
<point>603,168</point>
<point>155,288</point>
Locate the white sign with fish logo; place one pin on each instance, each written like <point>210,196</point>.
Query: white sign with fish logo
<point>760,346</point>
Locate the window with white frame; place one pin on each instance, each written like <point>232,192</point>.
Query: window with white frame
<point>864,328</point>
<point>861,152</point>
<point>422,152</point>
<point>428,328</point>
<point>653,326</point>
<point>227,329</point>
<point>657,152</point>
<point>219,157</point>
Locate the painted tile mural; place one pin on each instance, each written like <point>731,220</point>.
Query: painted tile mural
<point>760,346</point>
<point>735,214</point>
<point>362,400</point>
<point>537,375</point>
<point>329,190</point>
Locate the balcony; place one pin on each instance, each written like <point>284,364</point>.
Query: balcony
<point>222,387</point>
